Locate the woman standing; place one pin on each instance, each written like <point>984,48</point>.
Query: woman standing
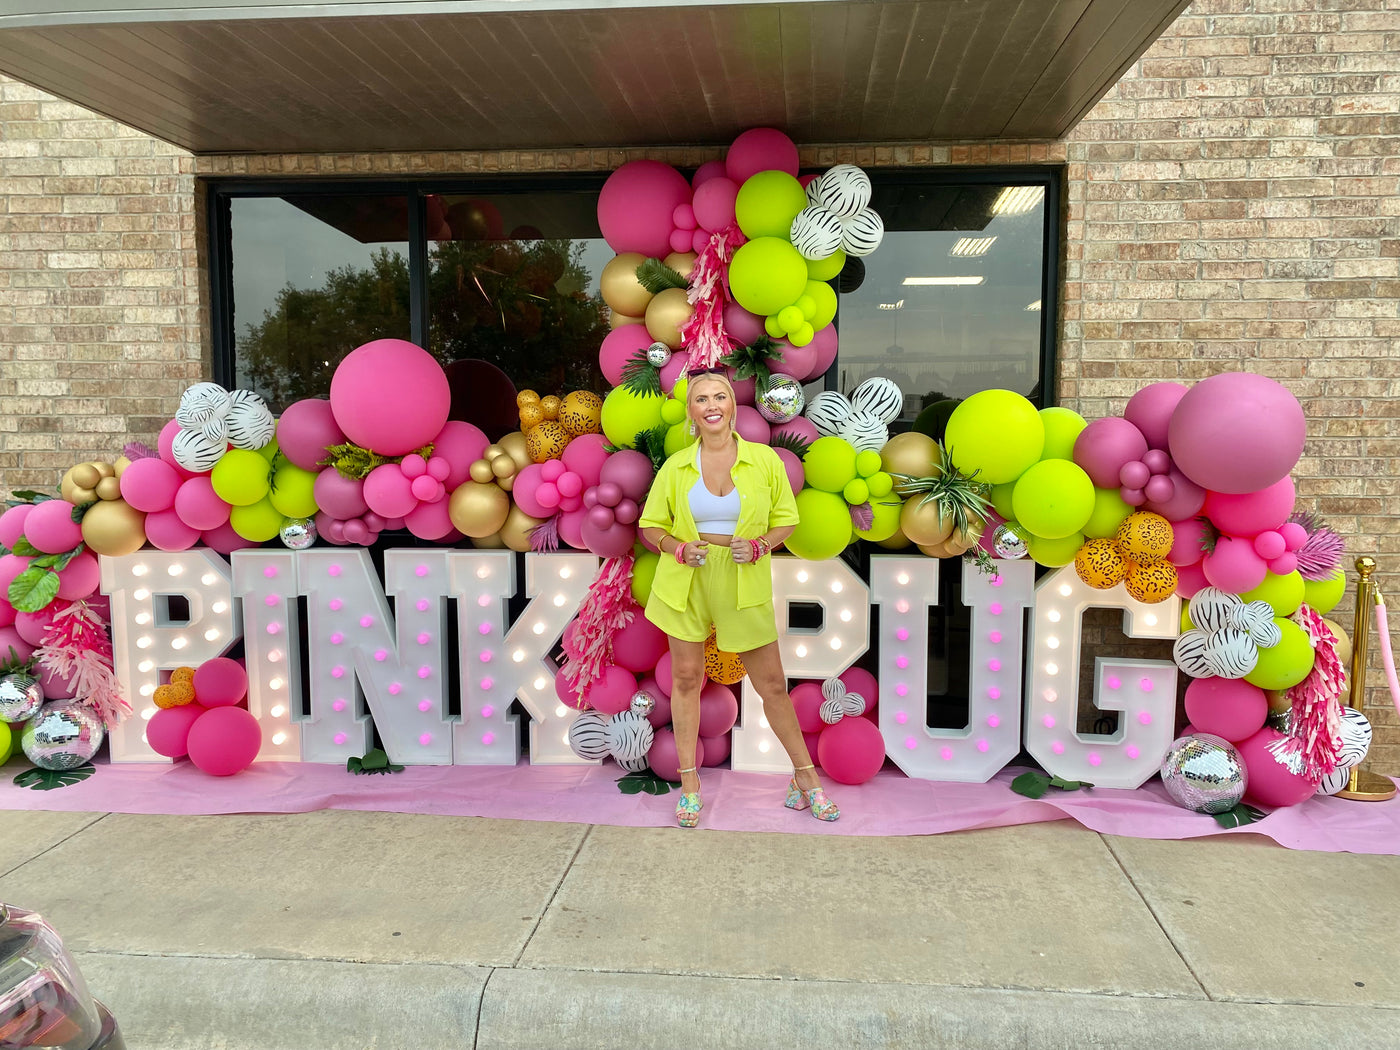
<point>716,510</point>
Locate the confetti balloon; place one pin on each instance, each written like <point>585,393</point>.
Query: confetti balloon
<point>1204,773</point>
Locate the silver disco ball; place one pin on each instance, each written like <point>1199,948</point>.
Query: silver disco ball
<point>1204,773</point>
<point>298,533</point>
<point>20,697</point>
<point>643,703</point>
<point>1008,543</point>
<point>780,399</point>
<point>63,735</point>
<point>658,354</point>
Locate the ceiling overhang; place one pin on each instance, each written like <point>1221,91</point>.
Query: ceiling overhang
<point>358,76</point>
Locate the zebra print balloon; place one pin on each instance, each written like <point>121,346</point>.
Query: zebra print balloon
<point>1211,608</point>
<point>816,233</point>
<point>588,736</point>
<point>827,411</point>
<point>1189,652</point>
<point>864,430</point>
<point>195,452</point>
<point>250,422</point>
<point>862,233</point>
<point>880,397</point>
<point>1334,781</point>
<point>1356,734</point>
<point>1231,652</point>
<point>198,403</point>
<point>629,737</point>
<point>844,190</point>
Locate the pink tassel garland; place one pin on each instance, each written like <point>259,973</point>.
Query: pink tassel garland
<point>703,334</point>
<point>607,608</point>
<point>1310,748</point>
<point>76,647</point>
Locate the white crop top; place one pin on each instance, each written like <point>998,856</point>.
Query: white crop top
<point>716,514</point>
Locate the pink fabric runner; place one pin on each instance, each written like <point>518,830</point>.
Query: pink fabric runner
<point>891,804</point>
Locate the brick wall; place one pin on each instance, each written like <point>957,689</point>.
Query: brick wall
<point>1232,203</point>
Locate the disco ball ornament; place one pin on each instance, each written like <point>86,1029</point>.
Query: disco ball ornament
<point>781,399</point>
<point>20,697</point>
<point>1008,543</point>
<point>63,735</point>
<point>643,703</point>
<point>1204,773</point>
<point>298,533</point>
<point>658,355</point>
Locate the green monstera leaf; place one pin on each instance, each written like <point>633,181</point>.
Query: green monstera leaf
<point>50,779</point>
<point>645,782</point>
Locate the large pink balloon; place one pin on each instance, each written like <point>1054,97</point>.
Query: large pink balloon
<point>613,541</point>
<point>305,430</point>
<point>50,526</point>
<point>224,741</point>
<point>742,326</point>
<point>168,532</point>
<point>636,204</point>
<point>220,682</point>
<point>1227,707</point>
<point>1250,513</point>
<point>719,709</point>
<point>525,492</point>
<point>1105,446</point>
<point>1270,782</point>
<point>859,680</point>
<point>1190,579</point>
<point>430,521</point>
<point>388,493</point>
<point>618,347</point>
<point>32,625</point>
<point>852,751</point>
<point>12,523</point>
<point>390,396</point>
<point>1187,537</point>
<point>150,484</point>
<point>80,578</point>
<point>807,702</point>
<point>165,444</point>
<point>639,645</point>
<point>339,496</point>
<point>760,149</point>
<point>199,506</point>
<point>630,471</point>
<point>585,456</point>
<point>1237,432</point>
<point>611,692</point>
<point>714,204</point>
<point>662,755</point>
<point>168,731</point>
<point>825,342</point>
<point>1151,408</point>
<point>711,169</point>
<point>460,444</point>
<point>752,426</point>
<point>715,748</point>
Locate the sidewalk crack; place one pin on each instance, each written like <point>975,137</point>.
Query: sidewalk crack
<point>549,903</point>
<point>30,860</point>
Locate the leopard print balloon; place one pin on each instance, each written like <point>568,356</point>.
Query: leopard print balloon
<point>1145,536</point>
<point>1152,582</point>
<point>724,668</point>
<point>1101,564</point>
<point>546,440</point>
<point>582,413</point>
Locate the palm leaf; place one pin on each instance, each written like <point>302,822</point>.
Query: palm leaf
<point>655,276</point>
<point>751,362</point>
<point>641,376</point>
<point>794,443</point>
<point>50,779</point>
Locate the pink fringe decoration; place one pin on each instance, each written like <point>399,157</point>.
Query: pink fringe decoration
<point>607,608</point>
<point>703,334</point>
<point>76,647</point>
<point>1310,749</point>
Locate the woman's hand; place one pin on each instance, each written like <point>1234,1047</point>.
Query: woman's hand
<point>741,550</point>
<point>695,552</point>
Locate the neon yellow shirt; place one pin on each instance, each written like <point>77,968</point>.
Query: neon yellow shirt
<point>765,502</point>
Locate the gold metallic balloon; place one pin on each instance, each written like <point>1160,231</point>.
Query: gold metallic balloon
<point>682,262</point>
<point>515,533</point>
<point>1278,701</point>
<point>923,523</point>
<point>1343,641</point>
<point>514,446</point>
<point>120,465</point>
<point>620,287</point>
<point>502,466</point>
<point>478,510</point>
<point>480,471</point>
<point>966,538</point>
<point>109,488</point>
<point>492,542</point>
<point>617,320</point>
<point>114,528</point>
<point>86,475</point>
<point>105,469</point>
<point>896,542</point>
<point>909,453</point>
<point>946,549</point>
<point>667,311</point>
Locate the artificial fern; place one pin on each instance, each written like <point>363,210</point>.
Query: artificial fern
<point>751,362</point>
<point>641,376</point>
<point>652,443</point>
<point>655,276</point>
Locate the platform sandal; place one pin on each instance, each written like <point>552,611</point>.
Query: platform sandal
<point>688,808</point>
<point>809,798</point>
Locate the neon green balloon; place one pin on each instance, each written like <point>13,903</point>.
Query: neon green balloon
<point>1284,665</point>
<point>1052,553</point>
<point>766,275</point>
<point>824,528</point>
<point>7,742</point>
<point>1108,513</point>
<point>767,203</point>
<point>824,296</point>
<point>1322,596</point>
<point>997,433</point>
<point>1284,593</point>
<point>1061,428</point>
<point>856,492</point>
<point>258,522</point>
<point>807,305</point>
<point>880,484</point>
<point>625,415</point>
<point>791,319</point>
<point>643,572</point>
<point>826,269</point>
<point>1001,500</point>
<point>867,463</point>
<point>773,328</point>
<point>804,335</point>
<point>293,491</point>
<point>241,477</point>
<point>672,412</point>
<point>1186,622</point>
<point>1053,499</point>
<point>677,438</point>
<point>270,450</point>
<point>830,464</point>
<point>885,519</point>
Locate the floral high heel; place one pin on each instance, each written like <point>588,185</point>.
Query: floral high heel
<point>814,798</point>
<point>688,808</point>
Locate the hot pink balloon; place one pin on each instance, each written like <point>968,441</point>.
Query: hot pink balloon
<point>168,731</point>
<point>1250,513</point>
<point>611,692</point>
<point>711,169</point>
<point>55,685</point>
<point>635,207</point>
<point>10,637</point>
<point>1105,446</point>
<point>752,426</point>
<point>745,390</point>
<point>164,444</point>
<point>388,492</point>
<point>430,521</point>
<point>224,539</point>
<point>390,396</point>
<point>793,466</point>
<point>1234,566</point>
<point>357,532</point>
<point>199,506</point>
<point>50,526</point>
<point>1269,545</point>
<point>630,471</point>
<point>698,240</point>
<point>859,680</point>
<point>852,751</point>
<point>760,149</point>
<point>618,347</point>
<point>1237,432</point>
<point>661,712</point>
<point>714,204</point>
<point>571,529</point>
<point>1228,707</point>
<point>1151,408</point>
<point>166,531</point>
<point>12,523</point>
<point>339,496</point>
<point>1294,535</point>
<point>807,701</point>
<point>1270,782</point>
<point>662,755</point>
<point>81,577</point>
<point>224,741</point>
<point>220,682</point>
<point>743,327</point>
<point>11,565</point>
<point>1186,499</point>
<point>1187,537</point>
<point>1190,579</point>
<point>719,710</point>
<point>639,645</point>
<point>825,342</point>
<point>460,445</point>
<point>663,673</point>
<point>306,430</point>
<point>150,484</point>
<point>671,371</point>
<point>1283,564</point>
<point>31,625</point>
<point>585,456</point>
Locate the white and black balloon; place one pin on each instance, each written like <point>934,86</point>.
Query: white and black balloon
<point>1212,608</point>
<point>862,233</point>
<point>827,411</point>
<point>844,190</point>
<point>199,402</point>
<point>816,233</point>
<point>630,735</point>
<point>1231,652</point>
<point>195,452</point>
<point>880,397</point>
<point>1189,652</point>
<point>864,430</point>
<point>588,736</point>
<point>1356,734</point>
<point>250,421</point>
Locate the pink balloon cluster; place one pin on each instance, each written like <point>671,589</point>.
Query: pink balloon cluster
<point>49,528</point>
<point>218,734</point>
<point>851,750</point>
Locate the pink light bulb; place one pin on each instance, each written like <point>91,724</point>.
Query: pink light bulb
<point>274,628</point>
<point>381,655</point>
<point>271,600</point>
<point>983,746</point>
<point>488,738</point>
<point>1145,685</point>
<point>395,689</point>
<point>1113,682</point>
<point>333,571</point>
<point>901,717</point>
<point>993,693</point>
<point>337,671</point>
<point>1093,758</point>
<point>487,710</point>
<point>339,738</point>
<point>901,662</point>
<point>424,637</point>
<point>483,628</point>
<point>1048,721</point>
<point>425,671</point>
<point>994,665</point>
<point>901,606</point>
<point>425,739</point>
<point>994,608</point>
<point>337,638</point>
<point>1058,748</point>
<point>425,705</point>
<point>902,634</point>
<point>270,572</point>
<point>487,684</point>
<point>338,705</point>
<point>1145,717</point>
<point>994,637</point>
<point>420,571</point>
<point>335,605</point>
<point>485,656</point>
<point>423,605</point>
<point>946,754</point>
<point>1131,751</point>
<point>910,743</point>
<point>993,721</point>
<point>366,621</point>
<point>901,689</point>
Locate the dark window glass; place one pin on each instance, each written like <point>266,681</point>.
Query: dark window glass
<point>313,277</point>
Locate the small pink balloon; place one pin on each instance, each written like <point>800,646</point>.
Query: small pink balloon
<point>709,170</point>
<point>807,701</point>
<point>220,682</point>
<point>752,426</point>
<point>852,751</point>
<point>1134,475</point>
<point>224,741</point>
<point>1227,707</point>
<point>1159,489</point>
<point>357,532</point>
<point>1284,564</point>
<point>1233,566</point>
<point>390,396</point>
<point>413,466</point>
<point>199,506</point>
<point>1190,579</point>
<point>1187,539</point>
<point>306,430</point>
<point>1157,461</point>
<point>681,240</point>
<point>374,522</point>
<point>50,526</point>
<point>388,492</point>
<point>639,644</point>
<point>719,710</point>
<point>166,531</point>
<point>699,240</point>
<point>439,469</point>
<point>1269,545</point>
<point>585,456</point>
<point>1186,500</point>
<point>683,218</point>
<point>760,149</point>
<point>569,484</point>
<point>426,489</point>
<point>525,492</point>
<point>459,444</point>
<point>1255,418</point>
<point>1270,782</point>
<point>662,755</point>
<point>618,347</point>
<point>611,692</point>
<point>1294,535</point>
<point>1151,408</point>
<point>609,493</point>
<point>590,498</point>
<point>1133,497</point>
<point>1104,446</point>
<point>165,443</point>
<point>1250,513</point>
<point>150,485</point>
<point>168,731</point>
<point>547,495</point>
<point>81,577</point>
<point>630,471</point>
<point>627,511</point>
<point>332,529</point>
<point>339,496</point>
<point>714,204</point>
<point>12,523</point>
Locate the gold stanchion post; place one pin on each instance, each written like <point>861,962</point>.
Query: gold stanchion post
<point>1363,786</point>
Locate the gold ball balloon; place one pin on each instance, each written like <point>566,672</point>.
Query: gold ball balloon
<point>939,550</point>
<point>105,469</point>
<point>547,441</point>
<point>85,475</point>
<point>515,533</point>
<point>481,472</point>
<point>513,445</point>
<point>109,488</point>
<point>1343,641</point>
<point>501,467</point>
<point>531,415</point>
<point>923,523</point>
<point>114,528</point>
<point>120,465</point>
<point>620,287</point>
<point>722,667</point>
<point>667,311</point>
<point>478,510</point>
<point>617,320</point>
<point>682,262</point>
<point>909,453</point>
<point>526,397</point>
<point>492,542</point>
<point>550,406</point>
<point>896,542</point>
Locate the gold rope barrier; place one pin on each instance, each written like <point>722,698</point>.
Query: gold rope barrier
<point>1364,786</point>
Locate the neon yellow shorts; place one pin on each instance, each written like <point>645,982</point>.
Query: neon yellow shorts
<point>714,599</point>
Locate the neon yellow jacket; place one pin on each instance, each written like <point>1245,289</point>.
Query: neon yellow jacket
<point>765,502</point>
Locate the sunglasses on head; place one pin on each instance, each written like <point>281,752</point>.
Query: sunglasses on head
<point>717,371</point>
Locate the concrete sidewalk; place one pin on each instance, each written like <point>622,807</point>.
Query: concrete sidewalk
<point>352,930</point>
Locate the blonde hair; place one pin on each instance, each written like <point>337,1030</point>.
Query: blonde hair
<point>723,380</point>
